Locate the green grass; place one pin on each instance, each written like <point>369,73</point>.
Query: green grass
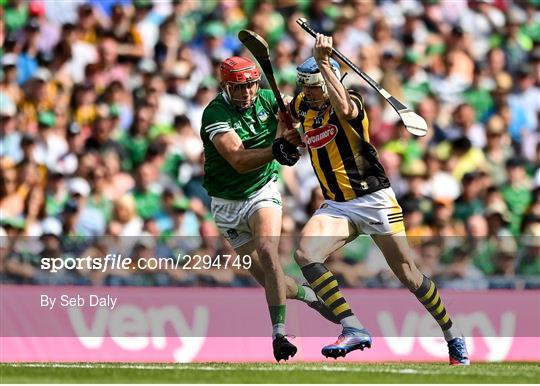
<point>323,372</point>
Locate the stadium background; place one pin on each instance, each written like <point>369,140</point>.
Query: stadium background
<point>101,103</point>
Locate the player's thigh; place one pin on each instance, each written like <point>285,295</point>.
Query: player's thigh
<point>231,219</point>
<point>321,236</point>
<point>265,224</point>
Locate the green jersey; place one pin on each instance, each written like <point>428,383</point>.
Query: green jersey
<point>256,127</point>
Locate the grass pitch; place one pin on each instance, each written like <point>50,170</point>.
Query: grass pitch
<point>327,372</point>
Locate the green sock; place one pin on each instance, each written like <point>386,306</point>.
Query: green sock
<point>301,294</point>
<point>277,314</point>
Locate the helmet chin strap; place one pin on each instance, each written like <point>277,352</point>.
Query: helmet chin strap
<point>322,104</point>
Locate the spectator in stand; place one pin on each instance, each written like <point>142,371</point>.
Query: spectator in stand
<point>498,149</point>
<point>136,140</point>
<point>130,47</point>
<point>34,211</point>
<point>512,112</point>
<point>469,203</point>
<point>10,136</point>
<point>11,196</point>
<point>428,258</point>
<point>56,194</point>
<point>91,221</point>
<point>145,192</point>
<point>446,229</point>
<point>505,261</point>
<point>478,95</point>
<point>463,158</point>
<point>516,192</point>
<point>440,185</point>
<point>416,81</point>
<point>100,140</point>
<point>417,230</point>
<point>415,174</point>
<point>9,85</point>
<point>98,199</point>
<point>464,124</point>
<point>125,218</point>
<point>529,259</point>
<point>118,182</point>
<point>527,95</point>
<point>481,19</point>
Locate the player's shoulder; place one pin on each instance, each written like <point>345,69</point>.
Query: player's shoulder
<point>266,94</point>
<point>217,104</point>
<point>218,108</point>
<point>216,116</point>
<point>296,103</point>
<point>267,100</point>
<point>355,95</point>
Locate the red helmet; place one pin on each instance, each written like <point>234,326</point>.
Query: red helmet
<point>239,70</point>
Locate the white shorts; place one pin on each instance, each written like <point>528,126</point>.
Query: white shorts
<point>377,213</point>
<point>232,216</point>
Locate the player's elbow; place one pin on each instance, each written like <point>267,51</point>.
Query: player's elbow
<point>242,169</point>
<point>347,112</point>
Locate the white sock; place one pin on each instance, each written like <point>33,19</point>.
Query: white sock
<point>309,295</point>
<point>351,321</point>
<point>451,333</point>
<point>278,328</point>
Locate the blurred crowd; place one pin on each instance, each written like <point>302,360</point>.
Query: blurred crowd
<point>100,111</point>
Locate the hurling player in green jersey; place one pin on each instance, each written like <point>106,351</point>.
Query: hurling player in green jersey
<point>242,140</point>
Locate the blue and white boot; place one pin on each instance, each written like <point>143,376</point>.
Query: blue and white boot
<point>458,352</point>
<point>350,339</point>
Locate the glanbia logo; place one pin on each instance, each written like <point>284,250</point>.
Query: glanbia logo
<point>321,136</point>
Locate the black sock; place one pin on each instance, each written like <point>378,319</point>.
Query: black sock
<point>428,295</point>
<point>326,287</point>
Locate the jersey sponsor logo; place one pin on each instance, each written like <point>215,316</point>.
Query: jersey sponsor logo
<point>321,136</point>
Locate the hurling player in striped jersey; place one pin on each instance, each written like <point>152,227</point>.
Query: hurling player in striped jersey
<point>358,199</point>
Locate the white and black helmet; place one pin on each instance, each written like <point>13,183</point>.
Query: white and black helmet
<point>308,74</point>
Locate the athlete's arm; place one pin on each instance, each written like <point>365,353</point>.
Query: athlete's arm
<point>243,160</point>
<point>338,95</point>
<point>293,136</point>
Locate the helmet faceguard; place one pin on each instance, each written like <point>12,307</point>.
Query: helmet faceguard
<point>308,74</point>
<point>237,73</point>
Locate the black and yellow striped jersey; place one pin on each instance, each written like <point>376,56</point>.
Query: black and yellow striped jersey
<point>345,163</point>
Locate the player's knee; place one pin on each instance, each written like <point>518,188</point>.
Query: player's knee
<point>271,267</point>
<point>410,277</point>
<point>303,257</point>
<point>268,251</point>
